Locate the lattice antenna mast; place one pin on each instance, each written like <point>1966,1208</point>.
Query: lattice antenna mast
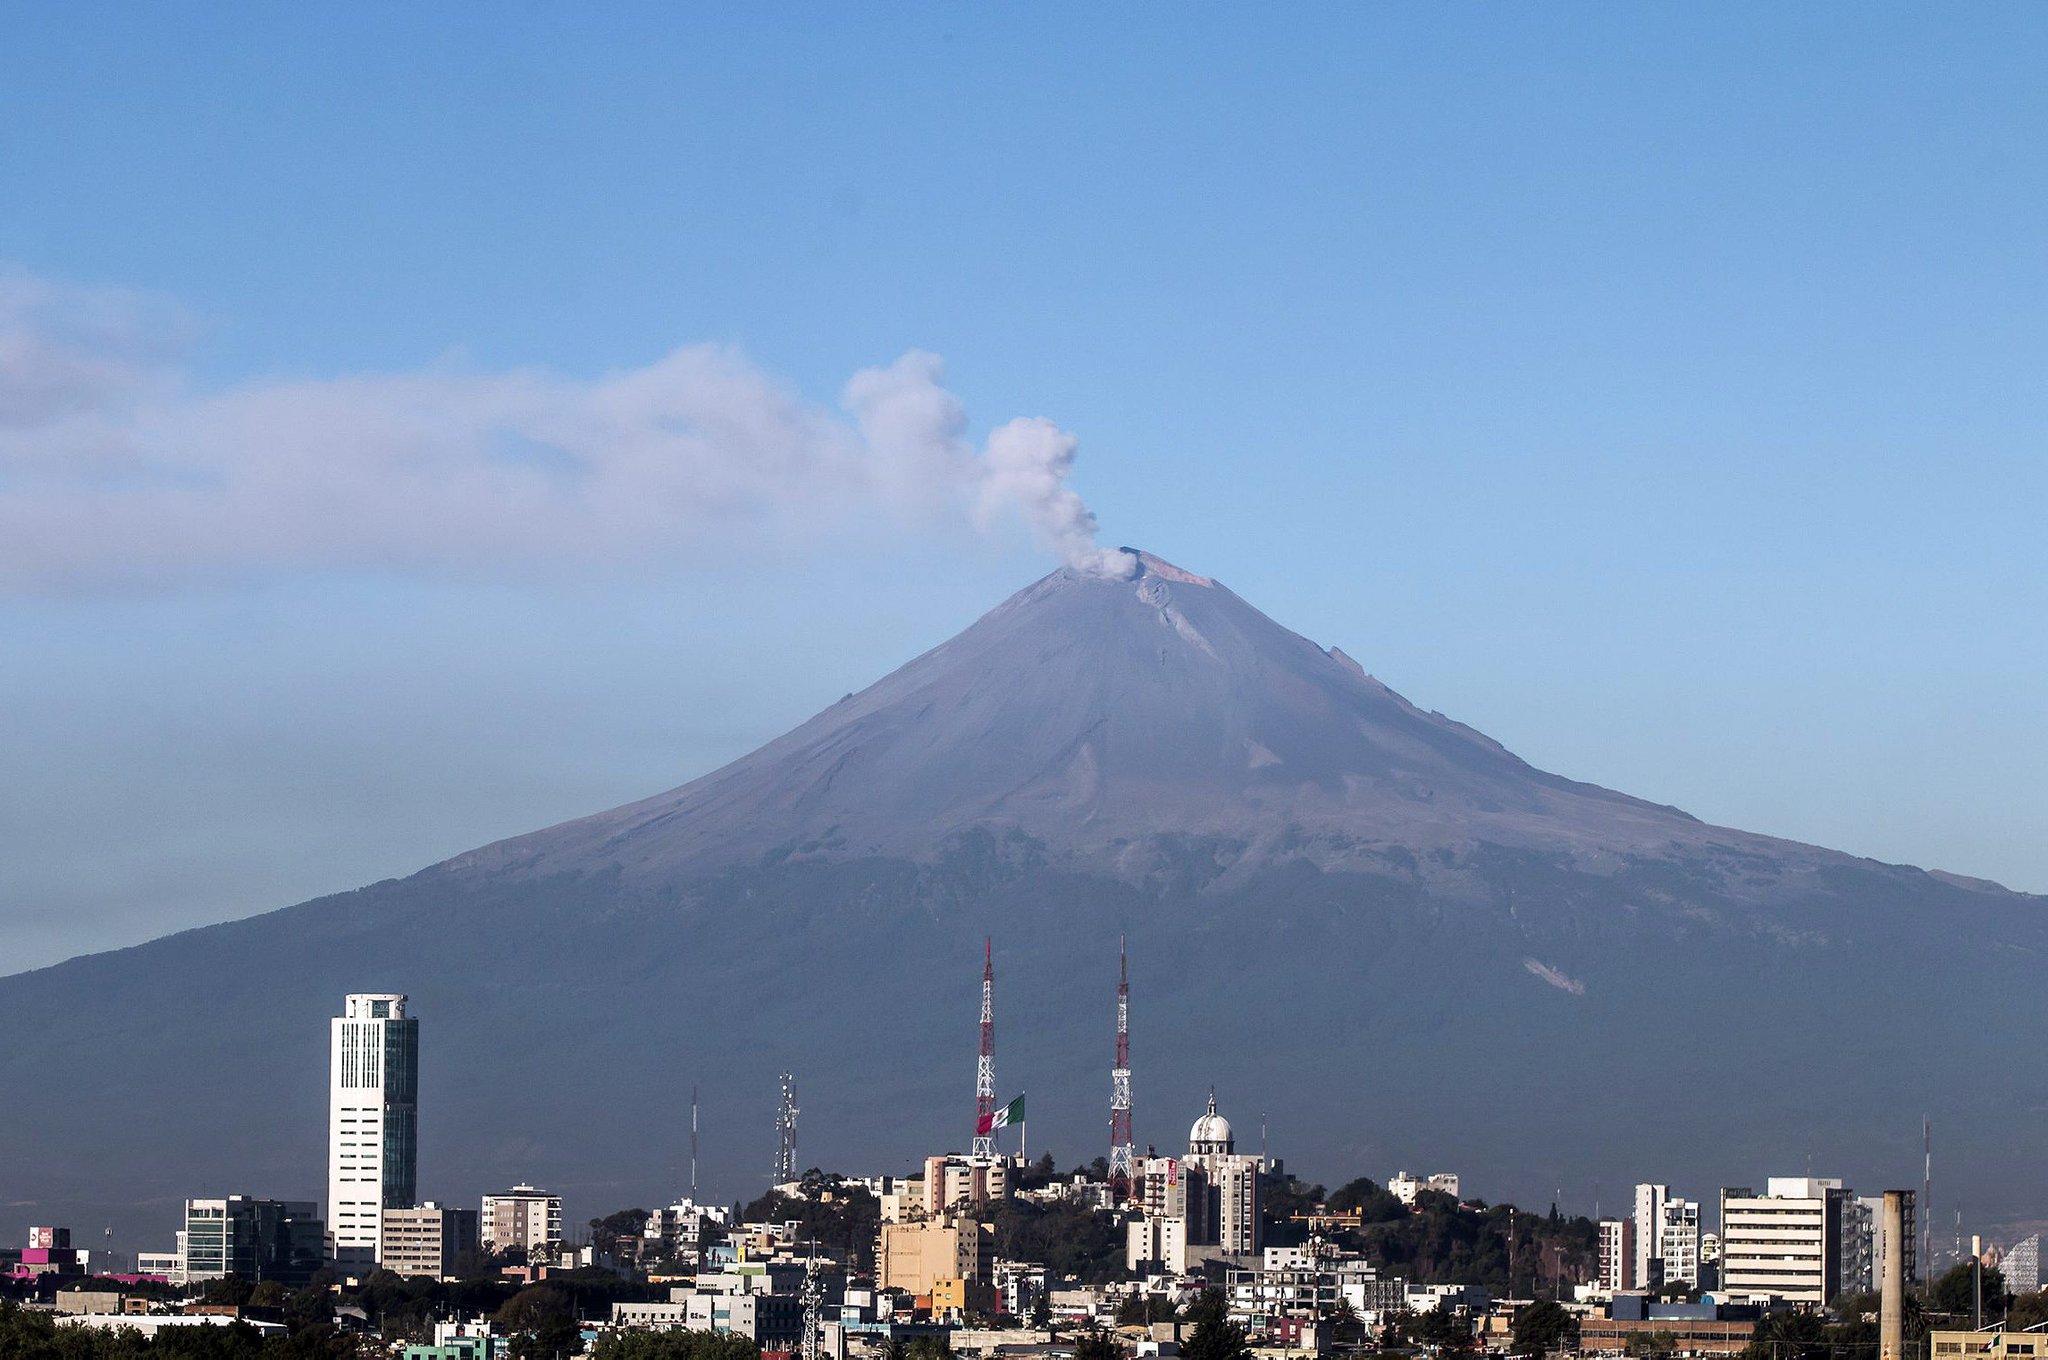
<point>985,1069</point>
<point>693,1145</point>
<point>814,1302</point>
<point>785,1132</point>
<point>1120,1083</point>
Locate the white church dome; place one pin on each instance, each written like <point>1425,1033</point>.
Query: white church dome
<point>1211,1132</point>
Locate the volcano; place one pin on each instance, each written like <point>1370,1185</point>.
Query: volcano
<point>1378,929</point>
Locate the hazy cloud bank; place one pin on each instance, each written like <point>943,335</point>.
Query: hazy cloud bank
<point>115,471</point>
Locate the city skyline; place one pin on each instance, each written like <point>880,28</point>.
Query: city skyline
<point>1416,627</point>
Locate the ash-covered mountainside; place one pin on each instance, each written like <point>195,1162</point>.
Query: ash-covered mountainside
<point>1405,945</point>
<point>1108,723</point>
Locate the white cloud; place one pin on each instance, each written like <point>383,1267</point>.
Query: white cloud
<point>113,471</point>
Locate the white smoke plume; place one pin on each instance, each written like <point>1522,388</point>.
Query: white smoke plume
<point>114,471</point>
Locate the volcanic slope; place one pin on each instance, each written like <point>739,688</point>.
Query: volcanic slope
<point>1372,923</point>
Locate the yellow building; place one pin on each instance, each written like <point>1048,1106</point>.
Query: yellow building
<point>914,1257</point>
<point>958,1297</point>
<point>1996,1345</point>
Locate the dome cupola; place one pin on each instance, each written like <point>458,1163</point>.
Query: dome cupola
<point>1211,1133</point>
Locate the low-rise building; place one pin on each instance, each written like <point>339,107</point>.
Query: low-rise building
<point>426,1240</point>
<point>256,1239</point>
<point>1634,1321</point>
<point>168,1266</point>
<point>1406,1185</point>
<point>953,1300</point>
<point>49,1252</point>
<point>1997,1344</point>
<point>523,1217</point>
<point>460,1341</point>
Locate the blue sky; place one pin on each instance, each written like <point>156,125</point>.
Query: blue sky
<point>1656,388</point>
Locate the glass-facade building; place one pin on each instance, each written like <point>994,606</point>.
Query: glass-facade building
<point>256,1239</point>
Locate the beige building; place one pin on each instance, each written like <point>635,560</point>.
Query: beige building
<point>954,1183</point>
<point>1992,1345</point>
<point>426,1240</point>
<point>915,1256</point>
<point>1684,1336</point>
<point>1785,1243</point>
<point>1194,1208</point>
<point>521,1217</point>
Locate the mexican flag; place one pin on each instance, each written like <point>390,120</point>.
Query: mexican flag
<point>1012,1113</point>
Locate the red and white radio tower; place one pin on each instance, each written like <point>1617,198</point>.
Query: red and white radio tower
<point>985,1070</point>
<point>1120,1084</point>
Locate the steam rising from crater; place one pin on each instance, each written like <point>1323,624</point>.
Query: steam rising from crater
<point>116,470</point>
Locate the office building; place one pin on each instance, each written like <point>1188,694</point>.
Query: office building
<point>915,1256</point>
<point>953,1183</point>
<point>1785,1243</point>
<point>1649,1227</point>
<point>521,1217</point>
<point>426,1240</point>
<point>1678,1245</point>
<point>1617,1254</point>
<point>372,1122</point>
<point>255,1239</point>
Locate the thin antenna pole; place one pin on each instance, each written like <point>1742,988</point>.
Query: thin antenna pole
<point>1927,1198</point>
<point>693,1145</point>
<point>785,1132</point>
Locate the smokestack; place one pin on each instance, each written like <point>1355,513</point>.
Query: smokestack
<point>1891,1325</point>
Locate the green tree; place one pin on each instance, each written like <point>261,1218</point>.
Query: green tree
<point>1658,1345</point>
<point>1955,1293</point>
<point>1443,1327</point>
<point>555,1337</point>
<point>1375,1203</point>
<point>1071,1239</point>
<point>1544,1326</point>
<point>938,1347</point>
<point>2025,1311</point>
<point>1096,1344</point>
<point>1788,1336</point>
<point>268,1294</point>
<point>1216,1338</point>
<point>605,1232</point>
<point>1345,1324</point>
<point>1207,1306</point>
<point>681,1345</point>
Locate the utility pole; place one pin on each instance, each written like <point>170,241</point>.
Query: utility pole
<point>1927,1198</point>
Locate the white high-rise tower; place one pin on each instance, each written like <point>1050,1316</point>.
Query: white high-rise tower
<point>372,1121</point>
